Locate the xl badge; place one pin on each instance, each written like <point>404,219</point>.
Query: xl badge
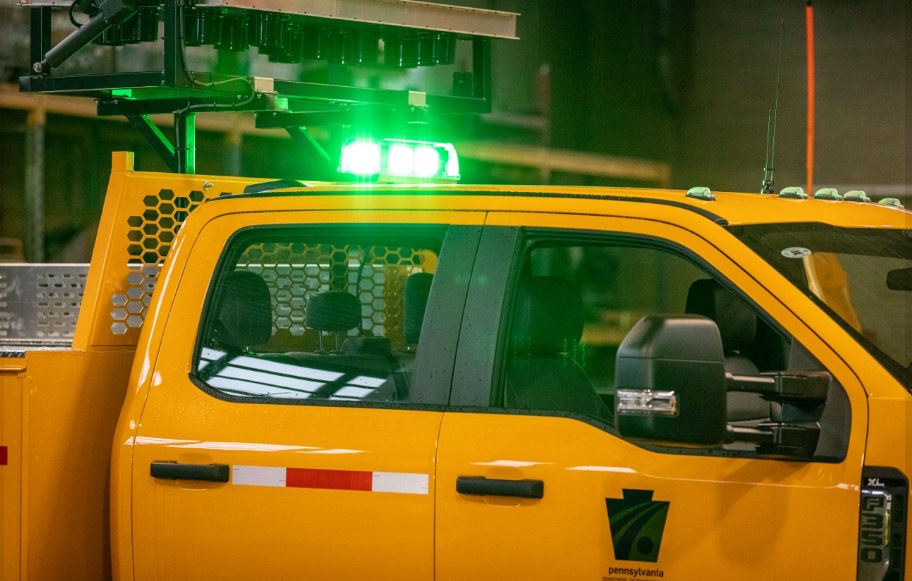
<point>637,523</point>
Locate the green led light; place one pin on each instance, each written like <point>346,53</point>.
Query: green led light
<point>128,93</point>
<point>427,161</point>
<point>400,160</point>
<point>452,163</point>
<point>360,157</point>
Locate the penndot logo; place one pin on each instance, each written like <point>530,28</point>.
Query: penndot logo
<point>637,523</point>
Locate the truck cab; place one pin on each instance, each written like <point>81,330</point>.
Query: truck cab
<point>452,382</point>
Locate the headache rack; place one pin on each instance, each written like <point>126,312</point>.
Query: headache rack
<point>388,35</point>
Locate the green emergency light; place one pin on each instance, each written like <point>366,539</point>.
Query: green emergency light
<point>399,160</point>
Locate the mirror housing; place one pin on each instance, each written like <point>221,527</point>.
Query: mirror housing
<point>671,383</point>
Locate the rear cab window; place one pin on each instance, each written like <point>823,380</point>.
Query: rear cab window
<point>310,313</point>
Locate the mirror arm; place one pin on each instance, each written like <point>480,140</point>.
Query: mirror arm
<point>777,438</point>
<point>804,386</point>
<point>761,384</point>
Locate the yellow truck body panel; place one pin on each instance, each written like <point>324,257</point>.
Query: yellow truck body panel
<point>730,515</point>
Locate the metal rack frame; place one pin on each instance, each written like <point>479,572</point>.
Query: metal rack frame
<point>139,94</point>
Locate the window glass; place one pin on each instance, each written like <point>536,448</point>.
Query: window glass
<point>861,276</point>
<point>296,315</point>
<point>615,286</point>
<point>574,304</point>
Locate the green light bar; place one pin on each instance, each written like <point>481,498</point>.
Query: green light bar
<point>399,160</point>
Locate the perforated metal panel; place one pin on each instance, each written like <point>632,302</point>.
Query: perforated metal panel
<point>374,274</point>
<point>39,304</point>
<point>149,240</point>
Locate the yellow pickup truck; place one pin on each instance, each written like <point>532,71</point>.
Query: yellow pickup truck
<point>464,382</point>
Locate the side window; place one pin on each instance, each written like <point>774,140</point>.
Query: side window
<point>311,313</point>
<point>573,305</point>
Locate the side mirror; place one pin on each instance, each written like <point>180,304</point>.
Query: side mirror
<point>671,381</point>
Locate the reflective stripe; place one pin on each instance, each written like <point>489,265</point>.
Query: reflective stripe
<point>258,476</point>
<point>395,482</point>
<point>4,456</point>
<point>400,482</point>
<point>331,479</point>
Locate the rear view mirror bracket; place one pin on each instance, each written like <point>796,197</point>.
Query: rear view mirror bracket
<point>806,387</point>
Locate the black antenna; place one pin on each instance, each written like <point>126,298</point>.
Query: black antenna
<point>769,169</point>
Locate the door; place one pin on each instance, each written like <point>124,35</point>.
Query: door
<point>292,419</point>
<point>535,482</point>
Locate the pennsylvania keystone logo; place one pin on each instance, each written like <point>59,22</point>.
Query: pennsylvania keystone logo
<point>637,523</point>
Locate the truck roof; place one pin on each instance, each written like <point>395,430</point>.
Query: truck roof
<point>728,208</point>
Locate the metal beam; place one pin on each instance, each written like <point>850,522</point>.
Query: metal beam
<point>34,186</point>
<point>41,34</point>
<point>399,13</point>
<point>161,144</point>
<point>173,67</point>
<point>548,160</point>
<point>185,141</point>
<point>94,82</point>
<point>162,106</point>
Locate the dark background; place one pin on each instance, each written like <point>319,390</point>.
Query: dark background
<point>683,82</point>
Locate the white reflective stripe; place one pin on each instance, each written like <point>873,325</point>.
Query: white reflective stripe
<point>269,378</point>
<point>400,482</point>
<point>258,476</point>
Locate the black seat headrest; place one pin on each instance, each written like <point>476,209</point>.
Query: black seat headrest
<point>417,291</point>
<point>245,311</point>
<point>333,311</point>
<point>736,319</point>
<point>547,316</point>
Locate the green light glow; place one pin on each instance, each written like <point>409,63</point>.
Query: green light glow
<point>427,161</point>
<point>452,164</point>
<point>360,157</point>
<point>128,93</point>
<point>400,160</point>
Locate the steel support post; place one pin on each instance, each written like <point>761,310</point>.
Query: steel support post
<point>185,141</point>
<point>40,19</point>
<point>34,185</point>
<point>173,69</point>
<point>481,68</point>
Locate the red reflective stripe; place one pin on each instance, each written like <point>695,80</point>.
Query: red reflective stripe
<point>3,456</point>
<point>332,479</point>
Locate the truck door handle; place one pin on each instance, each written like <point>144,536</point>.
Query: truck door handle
<point>170,470</point>
<point>480,485</point>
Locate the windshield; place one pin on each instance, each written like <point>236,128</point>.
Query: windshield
<point>861,276</point>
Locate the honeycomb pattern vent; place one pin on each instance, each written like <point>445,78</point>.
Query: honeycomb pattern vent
<point>150,236</point>
<point>374,274</point>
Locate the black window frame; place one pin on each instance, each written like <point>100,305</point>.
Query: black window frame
<point>434,360</point>
<point>480,371</point>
